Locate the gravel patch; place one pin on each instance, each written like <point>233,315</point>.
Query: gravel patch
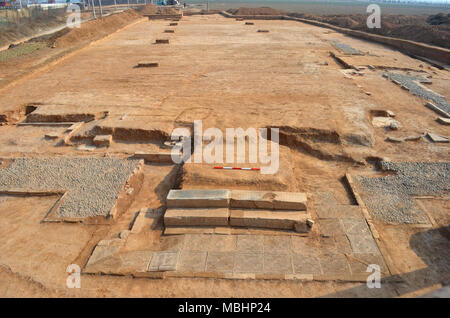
<point>347,49</point>
<point>413,84</point>
<point>92,184</point>
<point>391,198</point>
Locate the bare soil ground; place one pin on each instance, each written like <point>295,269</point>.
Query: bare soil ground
<point>229,75</point>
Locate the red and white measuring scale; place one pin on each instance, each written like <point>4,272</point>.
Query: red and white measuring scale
<point>236,168</point>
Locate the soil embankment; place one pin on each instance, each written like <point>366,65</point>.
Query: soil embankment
<point>419,28</point>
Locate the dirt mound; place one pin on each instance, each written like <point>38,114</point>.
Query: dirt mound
<point>154,9</point>
<point>439,19</point>
<point>256,11</point>
<point>30,26</point>
<point>92,30</point>
<point>345,22</point>
<point>415,27</point>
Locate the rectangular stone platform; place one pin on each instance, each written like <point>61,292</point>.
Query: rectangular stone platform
<point>272,200</point>
<point>196,217</point>
<point>198,198</point>
<point>283,220</point>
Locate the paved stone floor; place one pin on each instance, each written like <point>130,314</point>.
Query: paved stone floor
<point>341,247</point>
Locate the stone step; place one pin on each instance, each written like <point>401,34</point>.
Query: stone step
<point>198,198</point>
<point>272,200</point>
<point>282,220</point>
<point>159,157</point>
<point>197,217</point>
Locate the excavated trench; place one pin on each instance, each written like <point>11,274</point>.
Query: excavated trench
<point>319,143</point>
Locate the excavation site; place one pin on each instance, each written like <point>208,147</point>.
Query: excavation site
<point>178,151</point>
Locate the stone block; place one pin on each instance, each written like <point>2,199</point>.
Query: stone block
<point>268,219</point>
<point>102,140</point>
<point>196,217</point>
<point>249,23</point>
<point>169,31</point>
<point>198,198</point>
<point>52,135</point>
<point>268,200</point>
<point>263,31</point>
<point>250,243</point>
<point>173,24</point>
<point>162,41</point>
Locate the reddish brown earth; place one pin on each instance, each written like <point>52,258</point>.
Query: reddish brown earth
<point>229,75</point>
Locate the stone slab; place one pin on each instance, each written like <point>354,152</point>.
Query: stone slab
<point>102,140</point>
<point>169,31</point>
<point>267,219</point>
<point>198,198</point>
<point>277,244</point>
<point>363,244</point>
<point>332,263</point>
<point>196,217</point>
<point>437,138</point>
<point>437,109</point>
<point>443,121</point>
<point>250,243</point>
<point>220,262</point>
<point>248,262</point>
<point>52,135</point>
<point>192,261</point>
<point>278,263</point>
<point>306,264</point>
<point>273,200</point>
<point>163,261</point>
<point>162,41</point>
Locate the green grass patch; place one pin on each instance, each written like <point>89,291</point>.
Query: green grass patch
<point>20,50</point>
